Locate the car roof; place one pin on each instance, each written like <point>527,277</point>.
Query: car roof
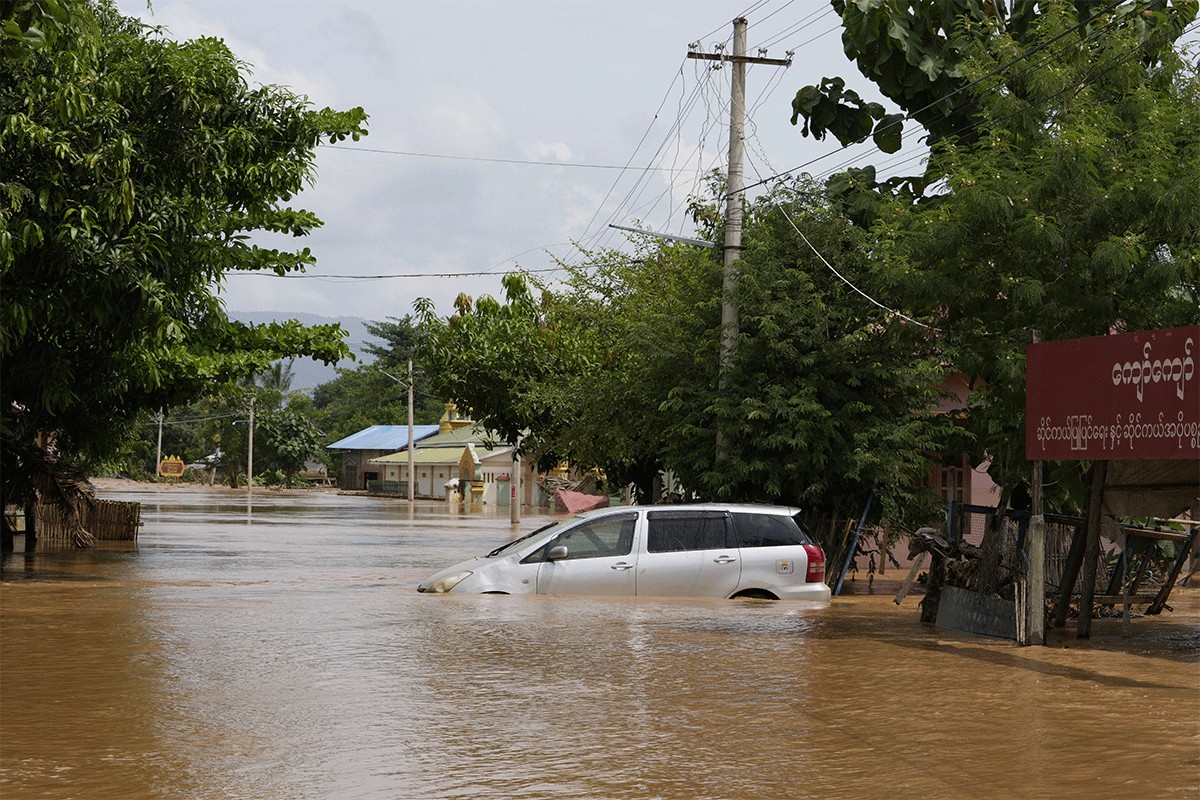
<point>752,508</point>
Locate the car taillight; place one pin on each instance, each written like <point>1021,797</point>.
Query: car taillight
<point>816,564</point>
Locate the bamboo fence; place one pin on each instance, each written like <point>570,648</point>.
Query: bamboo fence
<point>104,520</point>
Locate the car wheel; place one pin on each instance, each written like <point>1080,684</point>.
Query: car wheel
<point>755,594</point>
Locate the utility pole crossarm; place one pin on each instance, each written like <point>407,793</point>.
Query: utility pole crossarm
<point>774,62</point>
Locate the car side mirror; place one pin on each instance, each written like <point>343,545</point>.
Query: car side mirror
<point>557,553</point>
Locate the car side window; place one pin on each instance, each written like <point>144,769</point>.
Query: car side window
<point>608,536</point>
<point>675,531</point>
<point>768,530</point>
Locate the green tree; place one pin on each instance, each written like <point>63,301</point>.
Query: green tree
<point>914,53</point>
<point>289,438</point>
<point>133,170</point>
<point>829,398</point>
<point>225,429</point>
<point>826,396</point>
<point>645,319</point>
<point>492,359</point>
<point>1074,209</point>
<point>377,393</point>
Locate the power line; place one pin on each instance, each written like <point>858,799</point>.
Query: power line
<point>466,274</point>
<point>519,161</point>
<point>682,112</point>
<point>671,132</point>
<point>384,276</point>
<point>768,16</point>
<point>754,7</point>
<point>778,205</point>
<point>806,21</point>
<point>678,75</point>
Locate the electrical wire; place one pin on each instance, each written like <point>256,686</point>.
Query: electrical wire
<point>805,22</point>
<point>684,109</point>
<point>601,232</point>
<point>768,16</point>
<point>448,157</point>
<point>633,155</point>
<point>386,276</point>
<point>779,206</point>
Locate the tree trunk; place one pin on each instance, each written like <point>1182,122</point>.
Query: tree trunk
<point>1069,577</point>
<point>1091,553</point>
<point>988,579</point>
<point>645,477</point>
<point>30,526</point>
<point>933,587</point>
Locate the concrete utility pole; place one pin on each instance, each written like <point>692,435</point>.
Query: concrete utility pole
<point>734,189</point>
<point>250,450</point>
<point>514,484</point>
<point>158,453</point>
<point>410,433</point>
<point>1035,582</point>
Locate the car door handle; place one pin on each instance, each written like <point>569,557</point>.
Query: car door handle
<point>622,565</point>
<point>724,559</point>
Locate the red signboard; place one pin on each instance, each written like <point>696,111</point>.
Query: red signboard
<point>171,467</point>
<point>1126,396</point>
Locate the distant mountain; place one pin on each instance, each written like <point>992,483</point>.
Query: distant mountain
<point>308,373</point>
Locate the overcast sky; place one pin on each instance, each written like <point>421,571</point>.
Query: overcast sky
<point>458,91</point>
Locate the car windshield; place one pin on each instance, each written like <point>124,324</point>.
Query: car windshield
<point>505,549</point>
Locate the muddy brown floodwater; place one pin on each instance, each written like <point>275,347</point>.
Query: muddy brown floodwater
<point>277,648</point>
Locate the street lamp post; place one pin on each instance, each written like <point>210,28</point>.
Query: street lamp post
<point>249,423</point>
<point>250,450</point>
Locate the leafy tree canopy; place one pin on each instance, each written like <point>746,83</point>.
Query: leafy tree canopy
<point>377,393</point>
<point>915,52</point>
<point>133,170</point>
<point>617,368</point>
<point>491,358</point>
<point>1073,208</point>
<point>829,397</point>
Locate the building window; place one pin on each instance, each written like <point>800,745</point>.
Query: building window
<point>951,480</point>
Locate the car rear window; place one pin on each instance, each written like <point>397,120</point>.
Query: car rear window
<point>674,531</point>
<point>768,530</point>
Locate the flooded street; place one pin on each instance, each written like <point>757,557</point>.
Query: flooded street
<point>278,649</point>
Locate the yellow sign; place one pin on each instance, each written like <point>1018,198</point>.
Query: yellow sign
<point>171,467</point>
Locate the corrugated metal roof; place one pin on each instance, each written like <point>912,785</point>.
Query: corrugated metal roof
<point>458,437</point>
<point>437,455</point>
<point>382,437</point>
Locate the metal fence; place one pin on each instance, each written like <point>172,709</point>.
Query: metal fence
<point>389,488</point>
<point>1126,560</point>
<point>968,524</point>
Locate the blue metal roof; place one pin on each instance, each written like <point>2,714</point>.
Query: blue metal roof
<point>382,437</point>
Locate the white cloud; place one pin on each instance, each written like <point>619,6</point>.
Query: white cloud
<point>540,80</point>
<point>462,123</point>
<point>556,151</point>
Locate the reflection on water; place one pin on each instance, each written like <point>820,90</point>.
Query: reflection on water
<point>276,648</point>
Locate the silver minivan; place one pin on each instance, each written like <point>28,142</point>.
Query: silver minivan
<point>708,550</point>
